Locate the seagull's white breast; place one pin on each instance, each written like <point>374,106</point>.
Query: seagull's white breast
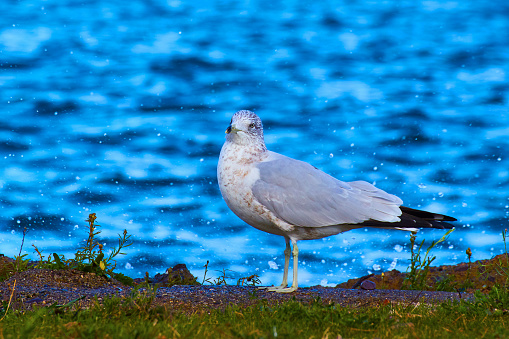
<point>236,174</point>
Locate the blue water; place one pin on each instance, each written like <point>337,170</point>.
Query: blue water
<point>121,110</point>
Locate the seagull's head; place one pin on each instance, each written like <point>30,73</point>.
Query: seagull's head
<point>245,128</point>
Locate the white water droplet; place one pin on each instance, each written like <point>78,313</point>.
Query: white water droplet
<point>273,265</point>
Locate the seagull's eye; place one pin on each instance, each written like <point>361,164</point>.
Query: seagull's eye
<point>252,125</point>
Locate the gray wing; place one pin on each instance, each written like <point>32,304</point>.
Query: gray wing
<point>302,195</point>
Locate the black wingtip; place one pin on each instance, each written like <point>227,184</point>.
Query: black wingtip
<point>411,218</point>
<point>426,215</point>
<point>442,225</point>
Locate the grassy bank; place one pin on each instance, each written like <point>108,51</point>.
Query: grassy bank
<point>487,317</point>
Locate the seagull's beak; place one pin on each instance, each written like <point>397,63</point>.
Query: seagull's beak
<point>230,129</point>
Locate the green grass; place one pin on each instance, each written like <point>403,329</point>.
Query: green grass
<point>488,317</point>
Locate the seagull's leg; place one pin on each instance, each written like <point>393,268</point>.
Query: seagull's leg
<point>284,284</point>
<point>288,251</point>
<point>295,284</point>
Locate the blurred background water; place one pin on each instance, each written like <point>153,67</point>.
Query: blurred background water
<point>120,109</point>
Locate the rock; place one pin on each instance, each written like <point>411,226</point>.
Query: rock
<point>176,275</point>
<point>368,285</point>
<point>479,275</point>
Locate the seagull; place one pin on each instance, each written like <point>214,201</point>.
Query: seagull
<point>291,198</point>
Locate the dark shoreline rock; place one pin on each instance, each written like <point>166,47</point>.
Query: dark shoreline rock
<point>176,275</point>
<point>465,277</point>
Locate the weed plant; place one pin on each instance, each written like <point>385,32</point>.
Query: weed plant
<point>88,258</point>
<point>252,280</point>
<point>502,266</point>
<point>21,262</point>
<point>419,265</point>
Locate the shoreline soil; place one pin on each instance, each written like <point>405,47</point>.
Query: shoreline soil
<point>45,287</point>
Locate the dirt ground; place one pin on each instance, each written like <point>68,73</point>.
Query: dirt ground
<point>46,287</point>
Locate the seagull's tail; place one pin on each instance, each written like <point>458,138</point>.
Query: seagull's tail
<point>412,219</point>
